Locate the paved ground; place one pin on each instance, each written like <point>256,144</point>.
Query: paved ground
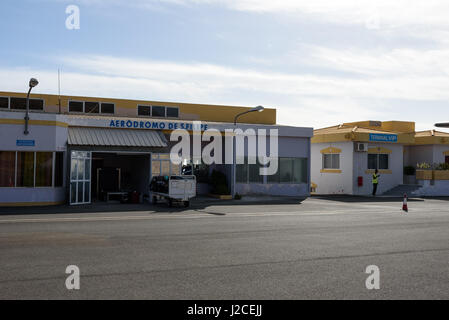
<point>319,248</point>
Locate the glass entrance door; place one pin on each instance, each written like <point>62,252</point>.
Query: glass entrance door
<point>80,173</point>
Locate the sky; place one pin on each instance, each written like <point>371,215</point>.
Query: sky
<point>319,63</point>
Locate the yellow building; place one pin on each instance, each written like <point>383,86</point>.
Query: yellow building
<point>107,107</point>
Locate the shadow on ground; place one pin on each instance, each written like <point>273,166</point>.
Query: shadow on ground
<point>344,198</point>
<point>99,207</point>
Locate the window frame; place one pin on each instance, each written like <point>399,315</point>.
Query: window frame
<point>166,112</point>
<point>160,117</point>
<point>37,99</point>
<point>53,170</point>
<point>161,157</point>
<point>143,105</point>
<point>75,112</point>
<point>93,113</point>
<point>323,167</point>
<point>14,173</point>
<point>101,107</point>
<point>9,103</point>
<point>378,161</point>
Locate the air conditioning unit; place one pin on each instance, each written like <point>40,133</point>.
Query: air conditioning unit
<point>361,147</point>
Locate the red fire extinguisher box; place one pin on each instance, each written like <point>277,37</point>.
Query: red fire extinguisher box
<point>360,181</point>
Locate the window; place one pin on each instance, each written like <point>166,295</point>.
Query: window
<point>18,103</point>
<point>274,178</point>
<point>254,173</point>
<point>76,106</point>
<point>241,173</point>
<point>286,170</point>
<point>172,112</point>
<point>290,170</point>
<point>91,107</point>
<point>25,169</point>
<point>107,108</point>
<point>161,165</point>
<point>157,111</point>
<point>144,111</point>
<point>7,168</point>
<point>378,161</point>
<point>4,102</point>
<point>44,167</point>
<point>59,169</point>
<point>33,169</point>
<point>36,104</point>
<point>300,173</point>
<point>248,173</point>
<point>331,161</point>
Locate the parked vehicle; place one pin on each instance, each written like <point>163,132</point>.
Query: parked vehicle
<point>173,189</point>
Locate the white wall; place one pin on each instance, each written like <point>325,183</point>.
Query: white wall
<point>386,181</point>
<point>333,183</point>
<point>438,153</point>
<point>437,189</point>
<point>47,138</point>
<point>427,153</point>
<point>419,154</point>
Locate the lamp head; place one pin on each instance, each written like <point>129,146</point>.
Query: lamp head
<point>33,82</point>
<point>258,109</point>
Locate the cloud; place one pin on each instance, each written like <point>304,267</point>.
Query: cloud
<point>380,62</point>
<point>389,81</point>
<point>301,99</point>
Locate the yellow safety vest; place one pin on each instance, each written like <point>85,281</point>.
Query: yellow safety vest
<point>375,178</point>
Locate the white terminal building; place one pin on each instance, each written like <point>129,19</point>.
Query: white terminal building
<point>345,156</point>
<point>79,149</point>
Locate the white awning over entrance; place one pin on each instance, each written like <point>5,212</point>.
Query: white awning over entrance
<point>84,136</point>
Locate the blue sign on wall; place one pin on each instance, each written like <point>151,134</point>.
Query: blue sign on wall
<point>381,137</point>
<point>25,143</point>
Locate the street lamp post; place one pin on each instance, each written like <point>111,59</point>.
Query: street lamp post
<point>255,109</point>
<point>33,82</point>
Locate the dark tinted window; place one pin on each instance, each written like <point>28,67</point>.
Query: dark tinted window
<point>36,104</point>
<point>91,107</point>
<point>143,110</point>
<point>3,102</point>
<point>158,111</point>
<point>18,103</point>
<point>172,112</point>
<point>107,108</point>
<point>59,167</point>
<point>383,161</point>
<point>75,106</point>
<point>372,161</point>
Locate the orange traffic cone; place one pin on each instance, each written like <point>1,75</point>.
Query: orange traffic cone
<point>404,204</point>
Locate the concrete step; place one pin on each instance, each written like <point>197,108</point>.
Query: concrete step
<point>402,189</point>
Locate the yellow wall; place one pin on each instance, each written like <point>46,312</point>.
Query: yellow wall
<point>431,140</point>
<point>187,111</point>
<point>391,126</point>
<point>404,138</point>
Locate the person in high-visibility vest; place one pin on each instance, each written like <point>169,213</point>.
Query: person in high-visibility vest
<point>375,181</point>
